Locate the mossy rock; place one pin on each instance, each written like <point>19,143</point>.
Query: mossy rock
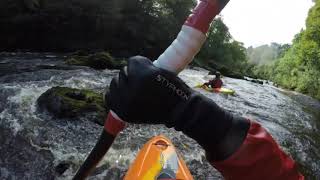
<point>100,60</point>
<point>64,102</point>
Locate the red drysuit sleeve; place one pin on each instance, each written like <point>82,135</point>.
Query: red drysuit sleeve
<point>258,158</point>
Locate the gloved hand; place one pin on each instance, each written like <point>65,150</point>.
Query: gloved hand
<point>143,93</point>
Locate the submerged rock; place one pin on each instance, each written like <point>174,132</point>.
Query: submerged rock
<point>258,81</point>
<point>66,102</point>
<point>100,60</point>
<point>61,167</point>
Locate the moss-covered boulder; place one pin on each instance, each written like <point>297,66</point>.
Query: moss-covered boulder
<point>100,60</point>
<point>65,102</point>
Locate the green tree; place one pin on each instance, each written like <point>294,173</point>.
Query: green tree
<point>122,27</point>
<point>222,52</point>
<point>299,69</point>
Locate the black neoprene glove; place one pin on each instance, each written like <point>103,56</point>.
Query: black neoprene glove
<point>143,93</point>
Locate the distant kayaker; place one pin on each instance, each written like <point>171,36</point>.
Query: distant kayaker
<point>238,147</point>
<point>215,83</point>
<point>143,93</point>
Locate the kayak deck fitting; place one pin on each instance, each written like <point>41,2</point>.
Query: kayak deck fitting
<point>158,160</point>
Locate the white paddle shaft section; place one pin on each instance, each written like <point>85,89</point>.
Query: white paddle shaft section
<point>190,39</point>
<point>180,53</point>
<point>115,115</point>
<point>182,50</point>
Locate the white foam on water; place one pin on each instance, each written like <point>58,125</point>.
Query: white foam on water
<point>89,81</point>
<point>27,94</point>
<point>250,99</point>
<point>25,99</point>
<point>14,124</point>
<point>115,158</point>
<point>4,173</point>
<point>193,77</point>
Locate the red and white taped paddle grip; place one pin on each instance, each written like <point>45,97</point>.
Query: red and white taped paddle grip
<point>182,50</point>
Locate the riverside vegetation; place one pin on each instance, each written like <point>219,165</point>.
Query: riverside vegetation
<point>146,27</point>
<point>299,67</point>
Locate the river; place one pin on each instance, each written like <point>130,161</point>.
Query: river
<point>36,145</point>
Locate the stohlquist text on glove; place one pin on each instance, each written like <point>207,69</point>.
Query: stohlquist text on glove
<point>165,82</point>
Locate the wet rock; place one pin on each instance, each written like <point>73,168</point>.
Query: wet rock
<point>58,67</point>
<point>255,80</point>
<point>62,167</point>
<point>212,72</point>
<point>78,95</point>
<point>65,102</point>
<point>100,60</point>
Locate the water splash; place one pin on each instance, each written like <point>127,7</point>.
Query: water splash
<point>292,118</point>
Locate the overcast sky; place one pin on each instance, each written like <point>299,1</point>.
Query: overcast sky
<point>257,22</point>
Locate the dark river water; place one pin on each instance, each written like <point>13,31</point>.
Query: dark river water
<point>35,145</point>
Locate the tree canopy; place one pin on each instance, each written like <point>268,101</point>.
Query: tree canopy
<point>122,27</point>
<point>221,52</point>
<point>299,68</point>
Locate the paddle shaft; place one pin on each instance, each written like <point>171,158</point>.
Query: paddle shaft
<point>175,58</point>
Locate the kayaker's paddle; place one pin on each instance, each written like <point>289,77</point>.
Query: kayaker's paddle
<point>176,57</point>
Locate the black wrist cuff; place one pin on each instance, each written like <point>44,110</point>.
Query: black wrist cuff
<point>232,141</point>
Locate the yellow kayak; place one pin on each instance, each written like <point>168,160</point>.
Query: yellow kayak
<point>216,90</point>
<point>158,160</point>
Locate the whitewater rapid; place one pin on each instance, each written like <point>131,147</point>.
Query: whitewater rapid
<point>39,146</point>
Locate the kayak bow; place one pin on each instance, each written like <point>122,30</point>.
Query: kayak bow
<point>158,160</point>
<point>175,58</point>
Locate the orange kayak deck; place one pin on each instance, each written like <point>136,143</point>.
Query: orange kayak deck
<point>158,160</point>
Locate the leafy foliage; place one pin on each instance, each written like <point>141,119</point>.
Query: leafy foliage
<point>221,51</point>
<point>299,68</point>
<point>122,27</point>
